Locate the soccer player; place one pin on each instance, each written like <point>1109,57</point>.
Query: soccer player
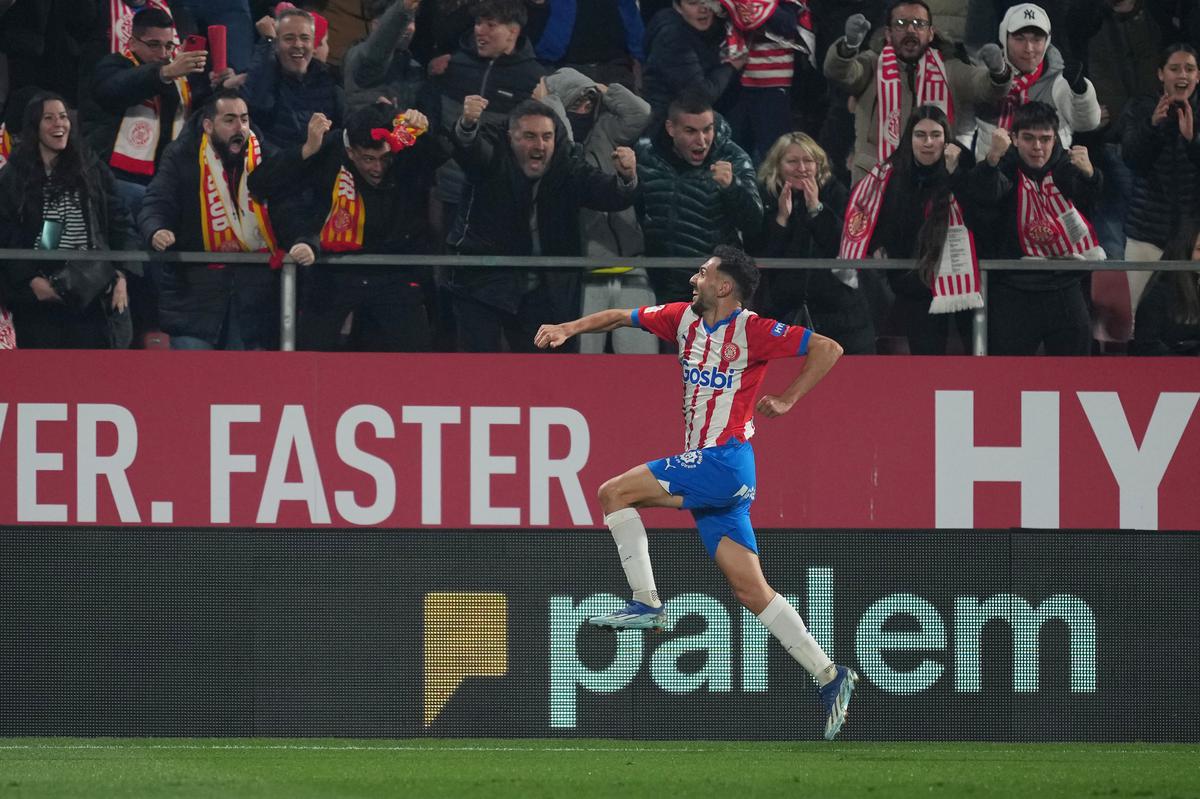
<point>724,349</point>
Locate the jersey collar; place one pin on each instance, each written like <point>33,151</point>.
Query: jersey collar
<point>717,326</point>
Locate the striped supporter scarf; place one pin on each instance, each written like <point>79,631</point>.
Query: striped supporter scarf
<point>1018,95</point>
<point>1049,225</point>
<point>5,145</point>
<point>932,89</point>
<point>137,138</point>
<point>956,286</point>
<point>343,228</point>
<point>120,22</point>
<point>229,223</point>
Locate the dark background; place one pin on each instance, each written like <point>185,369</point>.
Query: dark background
<point>136,631</point>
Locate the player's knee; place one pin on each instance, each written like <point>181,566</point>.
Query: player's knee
<point>754,597</point>
<point>610,495</point>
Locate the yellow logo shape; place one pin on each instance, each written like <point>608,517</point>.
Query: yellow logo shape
<point>466,635</point>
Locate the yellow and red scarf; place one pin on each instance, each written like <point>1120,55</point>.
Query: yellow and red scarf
<point>5,145</point>
<point>932,89</point>
<point>232,224</point>
<point>137,138</point>
<point>343,228</point>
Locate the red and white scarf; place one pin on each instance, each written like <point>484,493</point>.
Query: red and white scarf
<point>956,286</point>
<point>137,138</point>
<point>232,224</point>
<point>1049,225</point>
<point>932,89</point>
<point>120,23</point>
<point>1018,95</point>
<point>343,228</point>
<point>8,333</point>
<point>5,145</point>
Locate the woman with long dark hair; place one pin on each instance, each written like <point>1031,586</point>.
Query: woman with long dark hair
<point>55,195</point>
<point>1168,317</point>
<point>804,205</point>
<point>907,207</point>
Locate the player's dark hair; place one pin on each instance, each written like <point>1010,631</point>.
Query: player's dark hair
<point>151,17</point>
<point>506,12</point>
<point>690,101</point>
<point>1034,115</point>
<point>741,268</point>
<point>361,121</point>
<point>209,111</point>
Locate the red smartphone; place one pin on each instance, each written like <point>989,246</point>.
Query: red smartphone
<point>194,42</point>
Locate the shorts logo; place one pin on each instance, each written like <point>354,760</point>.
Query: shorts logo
<point>690,459</point>
<point>730,352</point>
<point>778,329</point>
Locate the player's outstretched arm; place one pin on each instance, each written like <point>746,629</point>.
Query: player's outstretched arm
<point>823,353</point>
<point>552,336</point>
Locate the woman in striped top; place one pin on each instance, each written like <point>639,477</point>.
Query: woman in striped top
<point>54,194</point>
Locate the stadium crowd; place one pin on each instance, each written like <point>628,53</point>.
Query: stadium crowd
<point>935,131</point>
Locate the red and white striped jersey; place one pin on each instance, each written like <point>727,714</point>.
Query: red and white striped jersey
<point>722,366</point>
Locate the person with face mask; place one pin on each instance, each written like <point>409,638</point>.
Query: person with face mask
<point>213,306</point>
<point>602,118</point>
<point>381,67</point>
<point>370,187</point>
<point>525,186</point>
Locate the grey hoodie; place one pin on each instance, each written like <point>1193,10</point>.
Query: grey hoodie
<point>621,116</point>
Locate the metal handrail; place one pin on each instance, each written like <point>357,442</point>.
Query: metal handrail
<point>287,323</point>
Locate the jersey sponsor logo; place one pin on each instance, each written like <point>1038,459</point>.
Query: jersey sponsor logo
<point>652,309</point>
<point>709,378</point>
<point>778,329</point>
<point>730,352</point>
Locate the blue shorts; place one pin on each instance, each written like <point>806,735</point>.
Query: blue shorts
<point>717,486</point>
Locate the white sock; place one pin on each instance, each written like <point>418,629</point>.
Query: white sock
<point>785,624</point>
<point>634,549</point>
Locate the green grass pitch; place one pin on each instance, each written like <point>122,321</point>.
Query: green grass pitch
<point>294,768</point>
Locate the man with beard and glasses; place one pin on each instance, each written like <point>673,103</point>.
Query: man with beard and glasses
<point>370,186</point>
<point>724,349</point>
<point>912,70</point>
<point>213,306</point>
<point>286,85</point>
<point>525,188</point>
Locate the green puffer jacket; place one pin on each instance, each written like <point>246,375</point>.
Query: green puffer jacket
<point>684,211</point>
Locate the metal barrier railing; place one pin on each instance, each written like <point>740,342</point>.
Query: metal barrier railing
<point>288,271</point>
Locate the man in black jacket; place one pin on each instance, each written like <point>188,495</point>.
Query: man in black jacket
<point>1040,194</point>
<point>525,186</point>
<point>367,199</point>
<point>213,306</point>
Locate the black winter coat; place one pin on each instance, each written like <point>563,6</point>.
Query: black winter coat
<point>281,104</point>
<point>194,298</point>
<point>679,57</point>
<point>1166,172</point>
<point>499,201</point>
<point>117,84</point>
<point>995,187</point>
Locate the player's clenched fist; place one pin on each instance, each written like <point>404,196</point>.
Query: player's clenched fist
<point>771,406</point>
<point>473,108</point>
<point>550,336</point>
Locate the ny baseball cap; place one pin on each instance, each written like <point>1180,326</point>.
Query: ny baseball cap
<point>1025,15</point>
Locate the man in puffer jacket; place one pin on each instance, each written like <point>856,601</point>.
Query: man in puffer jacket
<point>698,190</point>
<point>601,119</point>
<point>1039,74</point>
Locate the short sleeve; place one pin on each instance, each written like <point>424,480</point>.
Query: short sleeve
<point>769,339</point>
<point>661,320</point>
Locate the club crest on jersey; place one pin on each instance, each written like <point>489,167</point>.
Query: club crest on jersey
<point>690,459</point>
<point>730,352</point>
